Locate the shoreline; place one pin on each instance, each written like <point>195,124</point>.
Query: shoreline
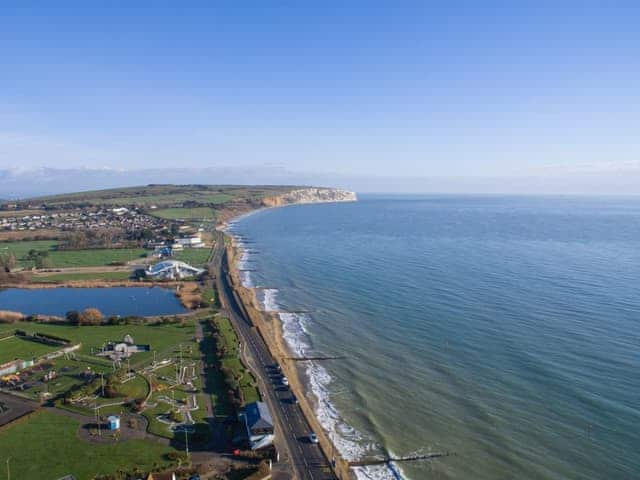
<point>272,329</point>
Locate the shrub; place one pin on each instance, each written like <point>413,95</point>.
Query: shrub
<point>90,316</point>
<point>7,316</point>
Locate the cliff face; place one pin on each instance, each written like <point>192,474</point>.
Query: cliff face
<point>310,195</point>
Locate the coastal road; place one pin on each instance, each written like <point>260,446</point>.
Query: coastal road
<point>305,459</point>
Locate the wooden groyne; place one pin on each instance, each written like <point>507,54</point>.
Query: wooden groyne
<point>312,359</point>
<point>408,458</point>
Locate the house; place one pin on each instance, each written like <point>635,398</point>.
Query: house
<point>259,424</point>
<point>172,269</point>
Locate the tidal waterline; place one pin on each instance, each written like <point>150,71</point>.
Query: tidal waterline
<point>502,329</point>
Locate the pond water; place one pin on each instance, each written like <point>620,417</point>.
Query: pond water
<point>142,301</point>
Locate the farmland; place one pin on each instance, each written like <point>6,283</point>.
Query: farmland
<point>163,196</point>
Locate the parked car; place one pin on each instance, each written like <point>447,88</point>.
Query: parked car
<point>285,381</point>
<point>294,400</point>
<point>313,438</point>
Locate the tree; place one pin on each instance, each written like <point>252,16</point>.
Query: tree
<point>91,316</point>
<point>8,261</point>
<point>73,317</point>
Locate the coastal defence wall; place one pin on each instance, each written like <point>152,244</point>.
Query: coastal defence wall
<point>270,328</point>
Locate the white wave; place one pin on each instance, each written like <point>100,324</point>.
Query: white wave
<point>351,443</point>
<point>246,279</point>
<point>269,299</point>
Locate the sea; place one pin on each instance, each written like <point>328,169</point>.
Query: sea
<point>502,332</point>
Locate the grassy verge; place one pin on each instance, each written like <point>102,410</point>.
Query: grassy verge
<point>229,358</point>
<point>75,277</point>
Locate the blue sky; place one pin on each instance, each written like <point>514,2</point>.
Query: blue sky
<point>348,88</point>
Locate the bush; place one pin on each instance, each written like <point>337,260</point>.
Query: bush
<point>7,316</point>
<point>90,316</point>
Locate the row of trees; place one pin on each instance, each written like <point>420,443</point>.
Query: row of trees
<point>38,258</point>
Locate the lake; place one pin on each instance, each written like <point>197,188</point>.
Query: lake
<point>141,301</point>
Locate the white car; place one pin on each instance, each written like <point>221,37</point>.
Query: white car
<point>313,438</point>
<point>285,381</point>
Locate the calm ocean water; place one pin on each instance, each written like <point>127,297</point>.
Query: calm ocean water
<point>503,329</point>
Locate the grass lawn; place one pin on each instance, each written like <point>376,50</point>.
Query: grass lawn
<point>94,257</point>
<point>135,388</point>
<point>16,347</point>
<point>70,258</point>
<point>193,256</point>
<point>162,338</point>
<point>67,277</point>
<point>21,249</point>
<point>46,446</point>
<point>196,213</point>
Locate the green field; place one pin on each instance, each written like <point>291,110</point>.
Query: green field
<point>166,196</point>
<point>46,446</point>
<point>94,257</point>
<point>196,213</point>
<point>193,256</point>
<point>159,195</point>
<point>70,258</point>
<point>161,338</point>
<point>21,249</point>
<point>18,348</point>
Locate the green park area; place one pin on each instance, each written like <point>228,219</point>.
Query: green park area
<point>73,371</point>
<point>27,252</point>
<point>195,213</point>
<point>47,442</point>
<point>193,256</point>
<point>12,348</point>
<point>162,338</point>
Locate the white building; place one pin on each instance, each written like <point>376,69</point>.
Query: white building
<point>173,269</point>
<point>193,241</point>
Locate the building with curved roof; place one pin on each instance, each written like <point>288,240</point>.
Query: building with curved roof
<point>172,270</point>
